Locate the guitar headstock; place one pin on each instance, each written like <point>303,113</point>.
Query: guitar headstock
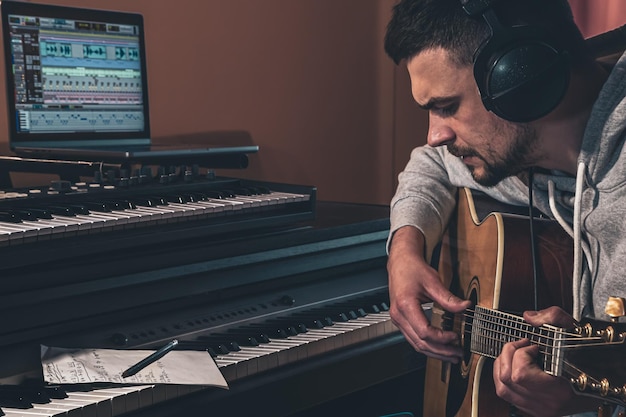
<point>594,360</point>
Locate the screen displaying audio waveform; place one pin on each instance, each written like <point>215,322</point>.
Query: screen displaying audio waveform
<point>76,120</point>
<point>69,73</point>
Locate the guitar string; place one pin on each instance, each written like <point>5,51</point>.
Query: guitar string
<point>539,332</point>
<point>564,367</point>
<point>526,328</point>
<point>543,342</point>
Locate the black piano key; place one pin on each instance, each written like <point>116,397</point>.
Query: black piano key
<point>22,396</point>
<point>160,200</point>
<point>220,349</point>
<point>49,390</point>
<point>10,217</point>
<point>79,209</point>
<point>348,309</point>
<point>272,332</point>
<point>17,402</point>
<point>119,205</point>
<point>342,312</point>
<point>126,204</point>
<point>242,191</point>
<point>220,345</point>
<point>181,198</point>
<point>62,211</point>
<point>197,196</point>
<point>241,340</point>
<point>176,199</point>
<point>216,194</point>
<point>42,213</point>
<point>331,312</point>
<point>291,324</point>
<point>247,331</point>
<point>341,317</point>
<point>301,327</point>
<point>98,206</point>
<point>316,324</point>
<point>146,201</point>
<point>213,349</point>
<point>313,319</point>
<point>55,391</point>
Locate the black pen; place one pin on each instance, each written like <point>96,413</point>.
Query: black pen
<point>149,359</point>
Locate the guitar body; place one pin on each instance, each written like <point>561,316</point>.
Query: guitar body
<point>486,256</point>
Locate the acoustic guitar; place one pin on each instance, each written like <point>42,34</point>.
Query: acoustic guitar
<point>486,257</point>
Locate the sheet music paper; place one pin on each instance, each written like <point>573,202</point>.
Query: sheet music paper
<point>81,366</point>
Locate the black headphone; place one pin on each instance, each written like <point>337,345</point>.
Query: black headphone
<point>521,73</point>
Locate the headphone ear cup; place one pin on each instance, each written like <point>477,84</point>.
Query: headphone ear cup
<point>521,77</point>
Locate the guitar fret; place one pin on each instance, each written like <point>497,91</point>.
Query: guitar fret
<point>492,329</point>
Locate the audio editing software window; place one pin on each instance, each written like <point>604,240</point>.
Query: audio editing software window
<point>76,76</point>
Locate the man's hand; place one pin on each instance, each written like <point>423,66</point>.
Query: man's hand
<point>519,380</point>
<point>412,281</point>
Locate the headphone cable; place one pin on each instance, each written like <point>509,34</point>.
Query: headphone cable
<point>533,239</point>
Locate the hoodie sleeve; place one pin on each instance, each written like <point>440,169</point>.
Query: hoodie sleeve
<point>425,197</point>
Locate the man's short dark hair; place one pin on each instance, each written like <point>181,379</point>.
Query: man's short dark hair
<point>418,25</point>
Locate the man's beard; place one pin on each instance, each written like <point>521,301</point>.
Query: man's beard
<point>515,158</point>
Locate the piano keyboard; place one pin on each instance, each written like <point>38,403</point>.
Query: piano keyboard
<point>30,216</point>
<point>239,353</point>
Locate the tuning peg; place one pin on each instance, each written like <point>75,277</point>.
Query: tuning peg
<point>603,388</point>
<point>615,308</point>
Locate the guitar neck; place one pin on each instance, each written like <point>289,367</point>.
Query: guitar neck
<point>492,329</point>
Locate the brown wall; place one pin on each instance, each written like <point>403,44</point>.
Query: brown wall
<point>308,79</point>
<point>597,16</point>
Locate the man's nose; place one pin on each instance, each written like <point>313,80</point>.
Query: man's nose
<point>439,133</point>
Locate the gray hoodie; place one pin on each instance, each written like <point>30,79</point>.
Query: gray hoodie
<point>594,215</point>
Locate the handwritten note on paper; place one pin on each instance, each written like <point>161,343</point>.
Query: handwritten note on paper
<point>78,366</point>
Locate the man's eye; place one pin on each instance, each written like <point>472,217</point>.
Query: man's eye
<point>447,110</point>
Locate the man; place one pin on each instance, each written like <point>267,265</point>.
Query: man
<point>572,139</point>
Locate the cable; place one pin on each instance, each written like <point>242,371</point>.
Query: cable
<point>533,245</point>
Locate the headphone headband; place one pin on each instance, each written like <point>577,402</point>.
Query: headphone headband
<point>477,7</point>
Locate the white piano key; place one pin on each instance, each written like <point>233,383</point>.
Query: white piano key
<point>101,402</point>
<point>185,209</point>
<point>47,226</point>
<point>82,224</point>
<point>29,412</point>
<point>267,356</point>
<point>228,204</point>
<point>10,235</point>
<point>152,215</point>
<point>22,232</point>
<point>122,399</point>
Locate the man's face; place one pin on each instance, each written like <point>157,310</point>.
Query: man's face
<point>491,148</point>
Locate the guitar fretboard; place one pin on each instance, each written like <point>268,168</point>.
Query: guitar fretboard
<point>492,329</point>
